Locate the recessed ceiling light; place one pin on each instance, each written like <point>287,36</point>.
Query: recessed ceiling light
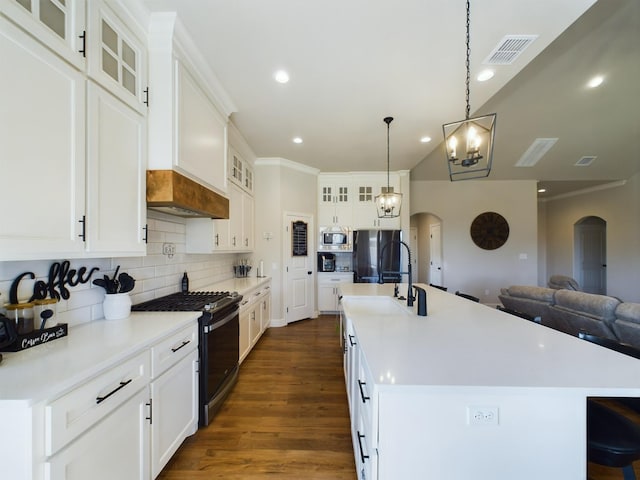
<point>485,75</point>
<point>425,139</point>
<point>281,76</point>
<point>595,81</point>
<point>542,190</point>
<point>297,140</point>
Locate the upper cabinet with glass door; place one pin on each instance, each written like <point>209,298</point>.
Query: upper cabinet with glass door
<point>58,24</point>
<point>119,61</point>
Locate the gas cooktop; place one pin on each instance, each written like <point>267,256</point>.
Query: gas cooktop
<point>188,302</point>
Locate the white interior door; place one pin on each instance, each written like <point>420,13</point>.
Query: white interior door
<point>435,254</point>
<point>299,254</point>
<point>592,257</point>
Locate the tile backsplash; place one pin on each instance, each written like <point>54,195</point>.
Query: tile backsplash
<point>156,274</point>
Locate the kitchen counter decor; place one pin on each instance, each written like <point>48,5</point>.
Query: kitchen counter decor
<point>117,302</point>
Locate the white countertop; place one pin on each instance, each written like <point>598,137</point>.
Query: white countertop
<point>58,366</point>
<point>241,285</point>
<point>466,344</point>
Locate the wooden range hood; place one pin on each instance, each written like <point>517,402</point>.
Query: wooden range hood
<point>170,192</point>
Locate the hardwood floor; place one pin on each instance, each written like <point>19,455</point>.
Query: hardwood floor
<point>287,417</point>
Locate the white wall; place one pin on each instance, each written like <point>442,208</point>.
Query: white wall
<point>620,208</point>
<point>467,267</point>
<point>156,274</point>
<point>281,186</point>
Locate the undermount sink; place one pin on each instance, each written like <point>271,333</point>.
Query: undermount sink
<point>374,306</point>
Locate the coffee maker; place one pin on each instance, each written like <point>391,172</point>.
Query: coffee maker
<point>326,262</point>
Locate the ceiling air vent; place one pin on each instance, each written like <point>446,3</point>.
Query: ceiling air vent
<point>508,49</point>
<point>536,151</point>
<point>585,161</point>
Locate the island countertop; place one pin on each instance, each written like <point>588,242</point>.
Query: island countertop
<point>461,343</point>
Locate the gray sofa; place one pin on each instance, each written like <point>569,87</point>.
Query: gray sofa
<point>571,311</point>
<point>533,301</point>
<point>574,311</point>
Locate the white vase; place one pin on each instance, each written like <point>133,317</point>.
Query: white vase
<point>116,306</point>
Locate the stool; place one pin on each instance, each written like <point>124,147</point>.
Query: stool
<point>612,439</point>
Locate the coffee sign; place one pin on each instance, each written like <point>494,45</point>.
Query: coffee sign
<point>60,275</point>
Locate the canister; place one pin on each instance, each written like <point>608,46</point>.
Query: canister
<point>45,311</point>
<point>22,314</point>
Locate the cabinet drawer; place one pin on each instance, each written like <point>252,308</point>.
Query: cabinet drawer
<point>173,349</point>
<point>365,392</point>
<point>73,413</point>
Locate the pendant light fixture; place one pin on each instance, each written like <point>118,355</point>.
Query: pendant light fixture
<point>469,142</point>
<point>388,203</point>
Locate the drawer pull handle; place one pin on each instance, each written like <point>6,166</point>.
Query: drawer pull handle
<point>351,337</point>
<point>122,385</point>
<point>364,398</point>
<point>362,455</point>
<point>184,343</point>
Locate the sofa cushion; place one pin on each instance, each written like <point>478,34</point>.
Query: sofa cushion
<point>627,324</point>
<point>629,311</point>
<point>541,294</point>
<point>562,281</point>
<point>598,306</point>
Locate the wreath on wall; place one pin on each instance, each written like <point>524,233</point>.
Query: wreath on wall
<point>489,230</point>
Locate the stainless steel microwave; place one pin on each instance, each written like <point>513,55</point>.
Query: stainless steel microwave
<point>335,239</point>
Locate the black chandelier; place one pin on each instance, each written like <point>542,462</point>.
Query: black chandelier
<point>469,142</point>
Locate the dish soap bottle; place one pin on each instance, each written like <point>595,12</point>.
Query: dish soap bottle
<point>185,283</point>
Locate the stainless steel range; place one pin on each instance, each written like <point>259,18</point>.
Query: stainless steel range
<point>219,332</point>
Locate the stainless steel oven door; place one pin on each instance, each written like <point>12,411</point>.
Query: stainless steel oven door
<point>219,354</point>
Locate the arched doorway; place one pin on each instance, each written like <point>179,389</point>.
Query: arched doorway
<point>590,254</point>
<point>430,267</point>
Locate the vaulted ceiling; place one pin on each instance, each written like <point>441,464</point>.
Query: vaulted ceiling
<point>352,63</point>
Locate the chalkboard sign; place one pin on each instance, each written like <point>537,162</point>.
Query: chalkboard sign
<point>299,239</point>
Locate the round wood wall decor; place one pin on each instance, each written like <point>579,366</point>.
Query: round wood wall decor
<point>489,230</point>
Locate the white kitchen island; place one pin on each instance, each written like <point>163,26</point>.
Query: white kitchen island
<point>469,391</point>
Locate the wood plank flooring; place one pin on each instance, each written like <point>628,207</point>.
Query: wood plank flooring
<point>287,417</point>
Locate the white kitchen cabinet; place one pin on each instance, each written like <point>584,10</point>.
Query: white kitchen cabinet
<point>335,199</point>
<point>247,311</point>
<point>236,167</point>
<point>42,150</point>
<point>241,207</point>
<point>117,55</point>
<point>81,186</point>
<point>116,166</point>
<point>116,447</point>
<point>174,397</point>
<point>366,188</point>
<point>204,235</point>
<point>187,125</point>
<point>265,308</point>
<point>99,423</point>
<point>247,222</point>
<point>328,289</point>
<point>255,316</point>
<point>60,25</point>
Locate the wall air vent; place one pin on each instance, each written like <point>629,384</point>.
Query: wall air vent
<point>536,151</point>
<point>585,161</point>
<point>508,49</point>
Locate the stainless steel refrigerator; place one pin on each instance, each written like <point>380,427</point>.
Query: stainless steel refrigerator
<point>367,247</point>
